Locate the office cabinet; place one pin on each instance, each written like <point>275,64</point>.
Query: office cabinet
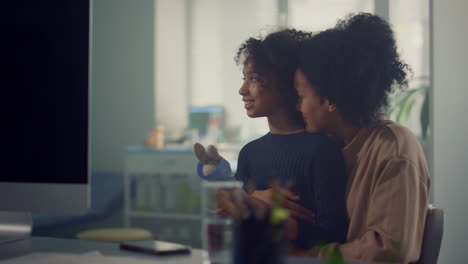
<point>162,193</point>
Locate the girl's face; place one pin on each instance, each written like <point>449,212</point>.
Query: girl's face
<point>260,95</point>
<point>318,114</point>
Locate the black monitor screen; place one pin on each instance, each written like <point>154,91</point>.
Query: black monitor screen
<point>46,92</point>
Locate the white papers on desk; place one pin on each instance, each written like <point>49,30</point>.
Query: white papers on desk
<point>91,258</point>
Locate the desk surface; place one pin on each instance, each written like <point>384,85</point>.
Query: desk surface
<point>75,246</point>
<point>46,244</point>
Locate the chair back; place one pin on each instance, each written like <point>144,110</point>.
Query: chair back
<point>432,237</point>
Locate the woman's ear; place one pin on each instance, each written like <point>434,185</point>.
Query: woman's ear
<point>330,107</point>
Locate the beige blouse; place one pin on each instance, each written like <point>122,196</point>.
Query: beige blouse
<point>387,195</point>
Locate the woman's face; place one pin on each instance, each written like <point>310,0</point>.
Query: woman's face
<point>317,113</point>
<point>260,95</point>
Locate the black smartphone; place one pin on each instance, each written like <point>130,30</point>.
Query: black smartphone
<point>155,247</point>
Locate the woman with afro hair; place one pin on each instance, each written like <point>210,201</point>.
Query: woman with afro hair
<point>343,81</point>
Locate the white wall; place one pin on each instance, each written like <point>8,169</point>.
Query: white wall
<point>122,84</point>
<point>316,15</point>
<point>207,70</point>
<point>258,17</point>
<point>214,79</point>
<point>171,71</point>
<point>450,124</point>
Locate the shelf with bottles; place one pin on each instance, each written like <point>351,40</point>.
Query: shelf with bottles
<point>164,194</point>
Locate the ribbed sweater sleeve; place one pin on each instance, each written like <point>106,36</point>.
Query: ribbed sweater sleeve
<point>242,172</point>
<point>329,185</point>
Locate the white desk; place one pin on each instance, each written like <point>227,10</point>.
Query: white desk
<point>44,244</point>
<point>75,246</point>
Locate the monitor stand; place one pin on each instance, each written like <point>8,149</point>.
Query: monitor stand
<point>14,226</point>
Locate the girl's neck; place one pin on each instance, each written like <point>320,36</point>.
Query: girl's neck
<point>280,123</point>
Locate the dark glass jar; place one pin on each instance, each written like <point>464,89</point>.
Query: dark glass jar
<point>259,241</point>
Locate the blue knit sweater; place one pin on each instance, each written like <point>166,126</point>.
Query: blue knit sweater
<point>315,165</point>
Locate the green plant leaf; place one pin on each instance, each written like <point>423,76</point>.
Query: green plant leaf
<point>408,109</point>
<point>424,117</point>
<point>403,104</point>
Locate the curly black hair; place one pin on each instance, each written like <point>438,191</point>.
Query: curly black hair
<point>355,65</point>
<point>276,56</point>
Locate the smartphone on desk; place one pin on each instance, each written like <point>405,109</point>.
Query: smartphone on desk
<point>155,247</point>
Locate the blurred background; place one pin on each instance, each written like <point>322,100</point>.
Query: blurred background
<point>163,77</point>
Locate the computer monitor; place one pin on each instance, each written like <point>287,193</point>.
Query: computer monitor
<point>46,99</point>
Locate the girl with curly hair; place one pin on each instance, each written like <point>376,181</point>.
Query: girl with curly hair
<point>287,153</point>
